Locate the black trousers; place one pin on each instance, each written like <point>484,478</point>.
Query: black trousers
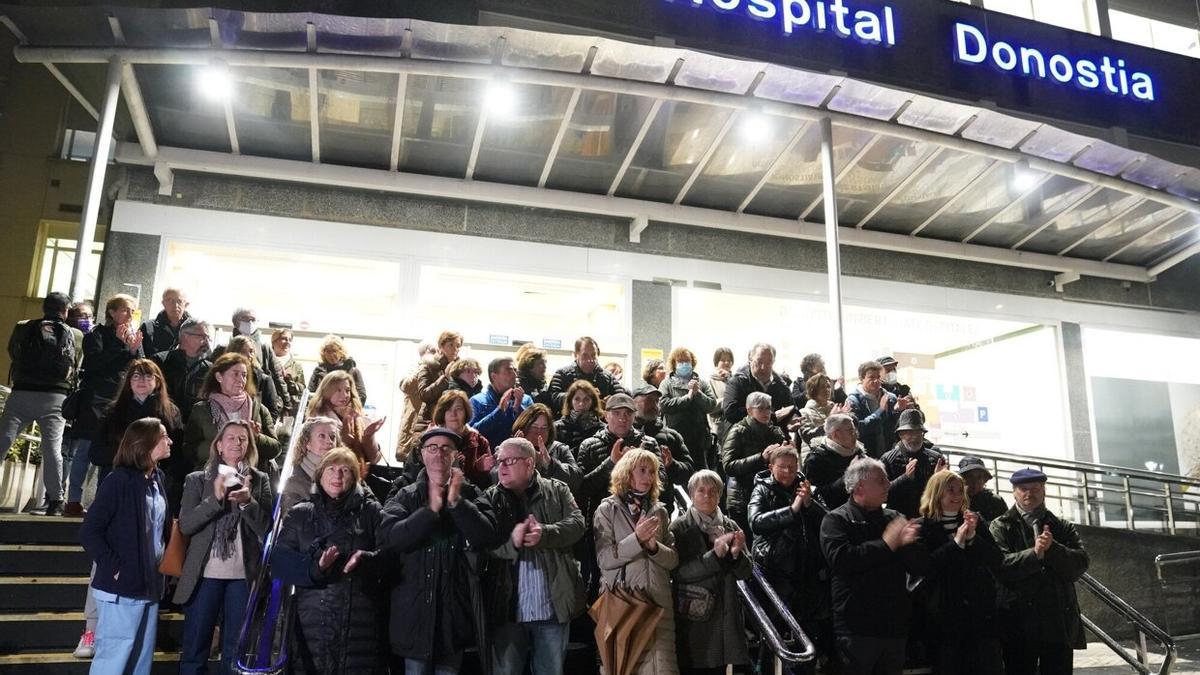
<point>1032,657</point>
<point>863,655</point>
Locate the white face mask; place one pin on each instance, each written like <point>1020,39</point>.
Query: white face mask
<point>890,378</point>
<point>247,327</point>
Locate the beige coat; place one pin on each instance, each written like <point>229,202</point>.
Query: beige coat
<point>617,550</point>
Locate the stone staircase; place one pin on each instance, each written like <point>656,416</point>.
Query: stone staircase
<point>43,582</point>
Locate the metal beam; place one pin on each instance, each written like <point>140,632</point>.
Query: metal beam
<point>73,91</point>
<point>480,127</point>
<point>979,178</point>
<point>637,143</point>
<point>1072,208</point>
<point>1120,214</point>
<point>137,110</point>
<point>398,121</point>
<point>558,137</point>
<point>1145,235</point>
<point>862,152</point>
<point>603,206</point>
<point>1173,259</point>
<point>833,257</point>
<point>775,164</point>
<point>704,159</point>
<point>97,167</point>
<point>911,178</point>
<point>231,125</point>
<point>488,72</point>
<point>314,111</point>
<point>1037,185</point>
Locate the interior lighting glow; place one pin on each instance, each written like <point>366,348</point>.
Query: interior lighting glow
<point>1024,178</point>
<point>500,99</point>
<point>214,83</point>
<point>754,128</point>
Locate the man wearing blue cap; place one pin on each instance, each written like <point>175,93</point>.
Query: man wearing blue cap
<point>1043,556</point>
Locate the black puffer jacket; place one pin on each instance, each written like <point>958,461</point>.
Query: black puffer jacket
<point>826,470</point>
<point>183,380</point>
<point>105,358</point>
<point>158,335</point>
<point>904,495</point>
<point>595,460</point>
<point>682,465</point>
<point>575,429</point>
<point>959,592</point>
<point>564,377</point>
<point>338,626</point>
<point>786,543</point>
<point>322,369</point>
<point>742,384</point>
<point>741,457</point>
<point>437,603</point>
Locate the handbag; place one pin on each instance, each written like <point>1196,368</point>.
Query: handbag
<point>172,561</point>
<point>694,602</point>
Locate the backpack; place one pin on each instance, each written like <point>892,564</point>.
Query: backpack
<point>46,355</point>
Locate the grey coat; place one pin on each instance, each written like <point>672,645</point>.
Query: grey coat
<point>722,638</point>
<point>198,517</point>
<point>689,416</point>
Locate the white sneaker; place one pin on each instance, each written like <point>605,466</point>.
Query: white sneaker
<point>86,648</point>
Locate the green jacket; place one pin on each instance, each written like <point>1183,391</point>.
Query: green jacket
<point>1038,596</point>
<point>200,431</point>
<point>551,503</point>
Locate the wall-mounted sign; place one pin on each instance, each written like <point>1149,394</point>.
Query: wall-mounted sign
<point>548,343</point>
<point>498,340</point>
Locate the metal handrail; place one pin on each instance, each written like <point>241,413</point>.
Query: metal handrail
<point>262,646</point>
<point>1176,497</point>
<point>1144,626</point>
<point>1165,560</point>
<point>772,635</point>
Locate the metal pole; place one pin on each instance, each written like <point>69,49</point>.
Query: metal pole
<point>96,171</point>
<point>832,254</point>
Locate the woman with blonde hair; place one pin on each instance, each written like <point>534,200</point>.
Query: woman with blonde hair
<point>318,436</point>
<point>334,358</point>
<point>336,397</point>
<point>227,513</point>
<point>635,547</point>
<point>958,594</point>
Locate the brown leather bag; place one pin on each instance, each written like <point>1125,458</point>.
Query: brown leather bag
<point>172,562</point>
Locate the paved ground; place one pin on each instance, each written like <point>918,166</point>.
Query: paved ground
<point>1098,659</point>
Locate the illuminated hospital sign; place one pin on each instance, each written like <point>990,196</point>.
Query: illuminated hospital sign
<point>971,46</point>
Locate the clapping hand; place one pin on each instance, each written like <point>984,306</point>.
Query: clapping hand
<point>803,497</point>
<point>454,492</point>
<point>618,449</point>
<point>910,469</point>
<point>1043,542</point>
<point>667,457</point>
<point>533,532</point>
<point>646,531</point>
<point>242,494</point>
<point>942,465</point>
<point>738,543</point>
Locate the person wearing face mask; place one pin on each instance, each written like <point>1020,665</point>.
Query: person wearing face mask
<point>582,415</point>
<point>437,526</point>
<point>876,409</point>
<point>891,379</point>
<point>318,435</point>
<point>334,357</point>
<point>672,451</point>
<point>329,549</point>
<point>586,367</point>
<point>958,595</point>
<point>687,400</point>
<point>758,376</point>
<point>826,464</point>
<point>464,376</point>
<point>82,315</point>
<point>531,374</point>
<point>226,513</point>
<point>245,322</point>
<point>161,333</point>
<point>910,464</point>
<point>227,394</point>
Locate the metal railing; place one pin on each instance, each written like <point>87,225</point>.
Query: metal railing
<point>782,647</point>
<point>1144,627</point>
<point>262,646</point>
<point>1103,494</point>
<point>1165,584</point>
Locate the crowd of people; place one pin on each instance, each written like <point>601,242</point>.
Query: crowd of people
<point>523,496</point>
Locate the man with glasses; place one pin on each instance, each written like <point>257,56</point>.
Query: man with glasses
<point>532,581</point>
<point>496,408</point>
<point>437,525</point>
<point>1043,556</point>
<point>161,333</point>
<point>185,365</point>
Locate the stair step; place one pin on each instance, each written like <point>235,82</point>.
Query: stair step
<point>27,529</point>
<point>54,663</point>
<point>43,560</point>
<point>42,594</point>
<point>59,631</point>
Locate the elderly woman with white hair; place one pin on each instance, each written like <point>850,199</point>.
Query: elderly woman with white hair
<point>746,451</point>
<point>712,556</point>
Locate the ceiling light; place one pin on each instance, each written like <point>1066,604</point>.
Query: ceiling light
<point>1024,178</point>
<point>754,128</point>
<point>214,82</point>
<point>500,99</point>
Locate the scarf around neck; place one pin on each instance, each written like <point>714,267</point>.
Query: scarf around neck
<point>712,526</point>
<point>227,525</point>
<point>222,407</point>
<point>638,503</point>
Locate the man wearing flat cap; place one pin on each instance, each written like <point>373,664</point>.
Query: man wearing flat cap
<point>910,464</point>
<point>975,475</point>
<point>1043,556</point>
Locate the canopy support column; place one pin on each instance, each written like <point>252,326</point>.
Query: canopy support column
<point>96,172</point>
<point>832,254</point>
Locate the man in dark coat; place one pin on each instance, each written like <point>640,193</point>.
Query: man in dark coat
<point>976,476</point>
<point>1043,557</point>
<point>674,452</point>
<point>876,409</point>
<point>825,466</point>
<point>161,333</point>
<point>870,551</point>
<point>438,526</point>
<point>758,375</point>
<point>185,365</point>
<point>910,464</point>
<point>586,367</point>
<point>747,447</point>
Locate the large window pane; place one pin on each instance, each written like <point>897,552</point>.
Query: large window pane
<point>1154,33</point>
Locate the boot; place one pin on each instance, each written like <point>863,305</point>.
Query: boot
<point>73,510</point>
<point>54,508</point>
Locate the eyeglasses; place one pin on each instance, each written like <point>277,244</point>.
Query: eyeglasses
<point>434,448</point>
<point>540,428</point>
<point>135,377</point>
<point>510,461</point>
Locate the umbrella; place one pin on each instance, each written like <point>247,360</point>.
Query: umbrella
<point>625,623</point>
<point>607,612</point>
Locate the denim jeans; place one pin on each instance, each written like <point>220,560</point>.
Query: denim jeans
<point>449,665</point>
<point>200,616</point>
<point>125,635</point>
<point>45,408</point>
<point>80,462</point>
<point>541,644</point>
